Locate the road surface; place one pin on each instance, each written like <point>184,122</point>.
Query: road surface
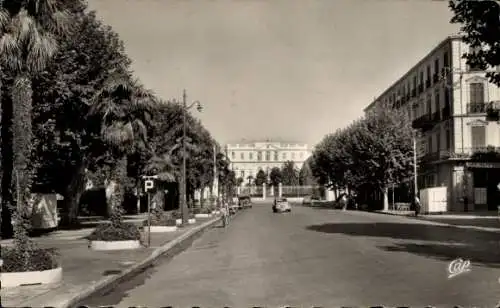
<point>319,257</point>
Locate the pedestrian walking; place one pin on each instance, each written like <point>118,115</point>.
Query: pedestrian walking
<point>344,200</point>
<point>416,205</point>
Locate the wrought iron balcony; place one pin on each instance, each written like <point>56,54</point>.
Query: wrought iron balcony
<point>476,108</point>
<point>424,122</point>
<point>467,152</point>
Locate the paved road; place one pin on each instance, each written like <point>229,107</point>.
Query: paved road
<point>320,257</point>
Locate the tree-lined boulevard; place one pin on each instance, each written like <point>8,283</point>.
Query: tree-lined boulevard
<point>74,115</point>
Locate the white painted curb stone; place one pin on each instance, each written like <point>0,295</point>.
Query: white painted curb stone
<point>205,215</point>
<point>115,245</point>
<point>160,229</point>
<point>191,221</point>
<point>16,279</point>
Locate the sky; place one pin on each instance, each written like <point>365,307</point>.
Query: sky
<point>275,69</point>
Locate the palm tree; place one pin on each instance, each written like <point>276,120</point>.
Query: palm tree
<point>122,108</point>
<point>28,31</point>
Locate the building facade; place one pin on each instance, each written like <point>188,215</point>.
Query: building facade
<point>450,104</point>
<point>247,158</point>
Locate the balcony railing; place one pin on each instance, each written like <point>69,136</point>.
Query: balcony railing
<point>424,122</point>
<point>476,108</point>
<point>467,152</point>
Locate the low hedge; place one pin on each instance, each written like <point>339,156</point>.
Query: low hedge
<point>38,259</point>
<point>108,232</point>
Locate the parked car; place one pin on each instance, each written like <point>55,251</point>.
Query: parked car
<point>281,205</point>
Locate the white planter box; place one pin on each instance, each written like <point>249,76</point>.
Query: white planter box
<point>16,279</point>
<point>115,245</point>
<point>206,215</point>
<point>191,221</point>
<point>160,229</point>
<point>178,221</point>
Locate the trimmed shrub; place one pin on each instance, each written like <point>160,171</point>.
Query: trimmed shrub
<point>115,232</point>
<point>37,259</point>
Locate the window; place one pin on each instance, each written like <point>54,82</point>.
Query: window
<point>474,66</point>
<point>476,93</point>
<point>437,102</point>
<point>428,106</point>
<point>276,155</point>
<point>429,144</point>
<point>436,66</point>
<point>242,155</point>
<point>259,156</point>
<point>446,60</point>
<point>446,98</point>
<point>478,137</point>
<point>293,155</point>
<point>242,174</point>
<point>250,155</point>
<point>284,156</point>
<point>438,141</point>
<point>448,139</point>
<point>428,74</point>
<point>301,154</point>
<point>415,83</point>
<point>268,155</point>
<point>233,155</point>
<point>421,78</point>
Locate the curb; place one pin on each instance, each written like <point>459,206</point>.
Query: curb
<point>411,216</point>
<point>131,271</point>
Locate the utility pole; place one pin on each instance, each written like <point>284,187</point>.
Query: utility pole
<point>184,208</point>
<point>185,108</point>
<point>415,175</point>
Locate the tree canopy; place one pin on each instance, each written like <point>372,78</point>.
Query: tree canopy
<point>372,152</point>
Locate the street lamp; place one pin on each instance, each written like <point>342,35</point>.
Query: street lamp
<point>185,108</point>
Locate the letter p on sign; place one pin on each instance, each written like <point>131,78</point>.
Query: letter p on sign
<point>148,185</point>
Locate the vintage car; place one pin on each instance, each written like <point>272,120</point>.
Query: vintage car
<point>281,205</point>
<point>244,201</point>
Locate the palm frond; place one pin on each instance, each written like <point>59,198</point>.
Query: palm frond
<point>118,134</point>
<point>4,19</point>
<point>9,51</point>
<point>42,47</point>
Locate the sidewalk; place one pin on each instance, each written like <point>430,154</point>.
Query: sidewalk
<point>485,221</point>
<point>84,268</point>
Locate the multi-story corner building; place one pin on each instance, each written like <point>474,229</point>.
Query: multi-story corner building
<point>449,103</point>
<point>248,157</point>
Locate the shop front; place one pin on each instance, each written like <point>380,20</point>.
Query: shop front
<point>486,184</point>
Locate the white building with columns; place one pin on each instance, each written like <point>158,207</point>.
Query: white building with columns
<point>248,157</point>
<point>449,103</point>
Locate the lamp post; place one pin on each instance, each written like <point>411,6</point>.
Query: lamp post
<point>185,108</point>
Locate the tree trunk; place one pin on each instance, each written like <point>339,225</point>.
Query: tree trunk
<point>7,163</point>
<point>385,191</point>
<point>118,175</point>
<point>22,144</point>
<point>73,194</point>
<point>202,196</point>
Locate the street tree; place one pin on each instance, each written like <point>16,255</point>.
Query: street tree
<point>306,177</point>
<point>28,41</point>
<point>260,178</point>
<point>290,174</point>
<point>275,178</point>
<point>480,26</point>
